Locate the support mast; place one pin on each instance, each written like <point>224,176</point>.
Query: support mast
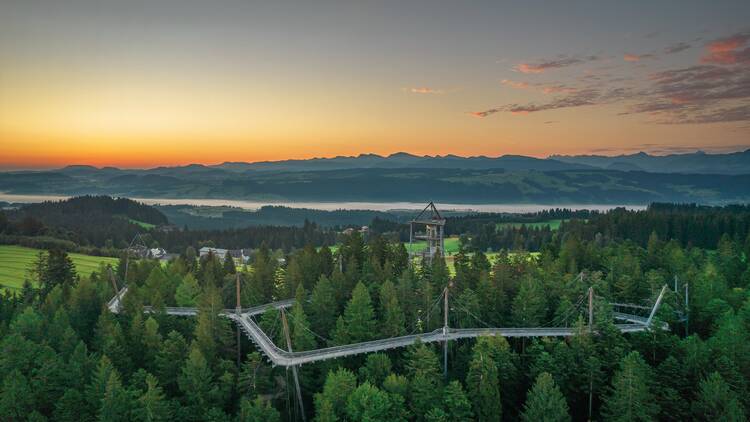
<point>294,368</point>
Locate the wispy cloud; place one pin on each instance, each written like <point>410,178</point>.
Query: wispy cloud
<point>637,57</point>
<point>677,47</point>
<point>545,88</point>
<point>716,90</point>
<point>515,84</point>
<point>547,64</point>
<point>425,90</point>
<point>582,98</point>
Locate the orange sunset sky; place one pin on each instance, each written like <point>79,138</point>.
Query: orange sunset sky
<point>168,82</point>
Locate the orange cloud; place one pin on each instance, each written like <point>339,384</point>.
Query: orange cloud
<point>727,50</point>
<point>515,84</point>
<point>529,68</point>
<point>631,57</point>
<point>425,90</point>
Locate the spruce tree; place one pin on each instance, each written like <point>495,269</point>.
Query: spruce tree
<point>196,382</point>
<point>152,404</point>
<point>358,322</point>
<point>716,401</point>
<point>187,291</point>
<point>302,338</point>
<point>425,383</point>
<point>117,402</point>
<point>545,402</point>
<point>338,386</point>
<point>483,385</point>
<point>323,306</point>
<point>258,410</point>
<point>16,397</point>
<point>457,405</point>
<point>392,316</point>
<point>228,265</point>
<point>631,398</point>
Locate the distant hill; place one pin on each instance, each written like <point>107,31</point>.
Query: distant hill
<point>86,207</point>
<point>404,160</point>
<point>586,179</point>
<point>697,162</point>
<point>85,220</point>
<point>559,187</point>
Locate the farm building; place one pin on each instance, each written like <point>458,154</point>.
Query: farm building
<point>241,255</point>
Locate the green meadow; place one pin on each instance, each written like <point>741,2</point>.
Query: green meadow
<point>451,245</point>
<point>15,262</point>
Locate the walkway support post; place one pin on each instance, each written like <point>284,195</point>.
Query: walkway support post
<point>445,332</point>
<point>591,309</point>
<point>687,311</point>
<point>294,368</point>
<point>656,305</point>
<point>238,311</point>
<point>591,328</point>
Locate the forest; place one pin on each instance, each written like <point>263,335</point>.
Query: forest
<point>102,225</point>
<point>64,356</point>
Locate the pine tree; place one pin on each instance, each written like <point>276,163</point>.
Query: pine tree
<point>257,410</point>
<point>58,270</point>
<point>631,398</point>
<point>393,320</point>
<point>369,403</point>
<point>483,385</point>
<point>196,382</point>
<point>457,405</point>
<point>98,385</point>
<point>255,377</point>
<point>377,366</point>
<point>264,270</point>
<point>16,397</point>
<point>338,386</point>
<point>170,359</point>
<point>152,405</point>
<point>187,292</point>
<point>529,305</point>
<point>716,401</point>
<point>358,322</point>
<point>545,402</point>
<point>425,379</point>
<point>212,332</point>
<point>323,306</point>
<point>117,401</point>
<point>302,338</point>
<point>228,266</point>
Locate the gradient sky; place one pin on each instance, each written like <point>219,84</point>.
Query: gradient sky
<point>140,83</point>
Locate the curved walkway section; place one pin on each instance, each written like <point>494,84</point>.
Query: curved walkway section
<point>285,358</point>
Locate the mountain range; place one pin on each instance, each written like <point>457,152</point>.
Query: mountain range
<point>626,179</point>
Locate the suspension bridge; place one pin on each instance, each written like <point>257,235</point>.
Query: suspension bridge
<point>243,317</point>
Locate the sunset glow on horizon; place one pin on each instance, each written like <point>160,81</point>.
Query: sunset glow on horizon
<point>144,84</point>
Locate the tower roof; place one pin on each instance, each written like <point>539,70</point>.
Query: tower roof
<point>429,215</point>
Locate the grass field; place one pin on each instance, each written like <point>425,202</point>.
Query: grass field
<point>15,262</point>
<point>451,245</point>
<point>147,226</point>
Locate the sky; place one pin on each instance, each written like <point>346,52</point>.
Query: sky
<point>141,83</point>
